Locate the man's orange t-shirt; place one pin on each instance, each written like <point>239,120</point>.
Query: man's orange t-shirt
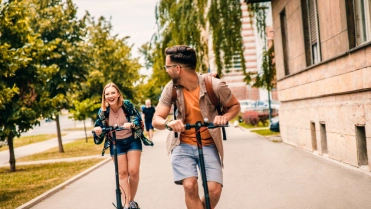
<point>192,115</point>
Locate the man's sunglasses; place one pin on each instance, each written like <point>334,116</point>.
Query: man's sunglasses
<point>169,66</point>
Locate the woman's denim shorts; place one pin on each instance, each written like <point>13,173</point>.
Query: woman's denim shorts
<point>123,146</point>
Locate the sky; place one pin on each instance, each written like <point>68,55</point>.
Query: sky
<point>134,18</point>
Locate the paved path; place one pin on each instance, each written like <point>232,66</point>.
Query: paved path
<point>39,146</point>
<point>258,174</point>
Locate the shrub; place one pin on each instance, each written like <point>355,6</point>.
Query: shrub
<point>251,117</point>
<point>257,118</point>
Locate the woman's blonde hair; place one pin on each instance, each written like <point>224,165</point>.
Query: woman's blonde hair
<point>120,98</point>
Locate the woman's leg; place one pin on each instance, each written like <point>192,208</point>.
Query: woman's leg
<point>122,162</point>
<point>133,169</point>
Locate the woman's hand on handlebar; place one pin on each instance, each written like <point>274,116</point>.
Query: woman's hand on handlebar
<point>176,125</point>
<point>127,125</point>
<point>98,130</point>
<point>220,120</point>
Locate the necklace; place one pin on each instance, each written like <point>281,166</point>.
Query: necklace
<point>116,114</point>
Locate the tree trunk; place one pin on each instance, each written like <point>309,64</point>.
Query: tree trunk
<point>11,153</point>
<point>86,135</point>
<point>269,105</point>
<point>60,144</point>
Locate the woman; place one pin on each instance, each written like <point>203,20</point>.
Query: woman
<point>115,110</point>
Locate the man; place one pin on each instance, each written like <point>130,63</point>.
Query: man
<point>147,114</point>
<point>193,105</point>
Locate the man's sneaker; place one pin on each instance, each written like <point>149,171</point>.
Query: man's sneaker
<point>133,205</point>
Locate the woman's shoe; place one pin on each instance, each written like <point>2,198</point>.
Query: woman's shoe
<point>133,205</point>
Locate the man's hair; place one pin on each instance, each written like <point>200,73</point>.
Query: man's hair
<point>182,54</point>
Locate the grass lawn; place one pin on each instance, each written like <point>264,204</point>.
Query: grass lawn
<point>77,148</point>
<point>265,132</point>
<point>28,182</point>
<point>25,140</point>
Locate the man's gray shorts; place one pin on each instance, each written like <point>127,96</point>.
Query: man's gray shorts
<point>185,159</point>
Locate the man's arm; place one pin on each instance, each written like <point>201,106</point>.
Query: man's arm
<point>233,108</point>
<point>160,116</point>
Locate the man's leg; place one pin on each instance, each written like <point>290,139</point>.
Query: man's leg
<point>150,134</point>
<point>215,190</point>
<point>192,199</point>
<point>147,127</point>
<point>214,174</point>
<point>185,173</point>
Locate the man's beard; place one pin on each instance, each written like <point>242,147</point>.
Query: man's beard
<point>176,80</point>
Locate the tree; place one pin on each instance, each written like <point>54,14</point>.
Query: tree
<point>84,110</point>
<point>56,21</point>
<point>149,88</point>
<point>267,78</point>
<point>193,23</point>
<point>111,61</point>
<point>22,77</point>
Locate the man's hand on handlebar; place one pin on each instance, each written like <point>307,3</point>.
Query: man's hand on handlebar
<point>220,120</point>
<point>176,125</point>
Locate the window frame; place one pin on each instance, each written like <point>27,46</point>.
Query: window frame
<point>362,26</point>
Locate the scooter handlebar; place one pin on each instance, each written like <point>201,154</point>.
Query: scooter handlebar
<point>207,125</point>
<point>112,128</point>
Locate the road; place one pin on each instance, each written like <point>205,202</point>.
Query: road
<point>258,174</point>
<point>51,128</point>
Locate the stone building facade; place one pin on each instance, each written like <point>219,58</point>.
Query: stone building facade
<point>323,60</point>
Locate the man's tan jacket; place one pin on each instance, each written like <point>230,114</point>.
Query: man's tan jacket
<point>207,109</point>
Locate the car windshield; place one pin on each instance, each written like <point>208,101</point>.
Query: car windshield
<point>246,102</point>
<point>274,102</point>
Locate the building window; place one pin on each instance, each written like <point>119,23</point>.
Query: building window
<point>314,32</point>
<point>362,20</point>
<point>235,66</point>
<point>283,22</point>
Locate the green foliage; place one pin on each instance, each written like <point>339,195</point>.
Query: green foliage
<point>110,61</point>
<point>193,23</point>
<point>57,22</point>
<point>21,76</point>
<point>151,88</point>
<point>49,58</point>
<point>85,109</point>
<point>258,14</point>
<point>225,23</point>
<point>267,78</point>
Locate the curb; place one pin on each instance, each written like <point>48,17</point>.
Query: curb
<point>274,138</point>
<point>61,186</point>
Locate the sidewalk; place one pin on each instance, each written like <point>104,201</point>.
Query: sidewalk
<point>39,146</point>
<point>257,174</point>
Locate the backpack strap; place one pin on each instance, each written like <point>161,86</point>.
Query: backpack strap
<point>211,93</point>
<point>173,99</point>
<point>213,98</point>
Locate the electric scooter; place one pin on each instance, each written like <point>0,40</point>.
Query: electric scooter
<point>112,130</point>
<point>198,125</point>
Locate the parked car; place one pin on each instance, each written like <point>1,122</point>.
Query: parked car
<point>274,126</point>
<point>247,105</point>
<point>274,104</point>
